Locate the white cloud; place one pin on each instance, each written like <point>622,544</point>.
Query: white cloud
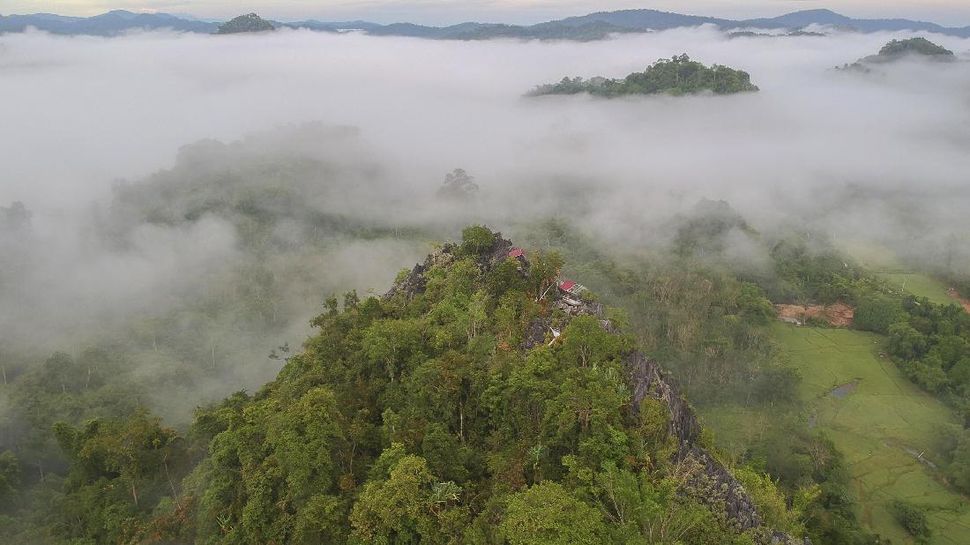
<point>815,147</point>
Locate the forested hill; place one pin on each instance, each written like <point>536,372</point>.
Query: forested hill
<point>246,23</point>
<point>481,400</point>
<point>897,50</point>
<point>678,75</point>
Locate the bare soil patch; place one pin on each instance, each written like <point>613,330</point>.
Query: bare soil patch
<point>965,303</point>
<point>838,314</point>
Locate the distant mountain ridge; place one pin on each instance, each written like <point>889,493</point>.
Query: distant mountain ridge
<point>592,26</point>
<point>107,24</point>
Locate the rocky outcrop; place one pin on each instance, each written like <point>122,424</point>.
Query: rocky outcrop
<point>415,282</point>
<point>574,306</point>
<point>498,253</point>
<point>535,334</point>
<point>709,481</point>
<point>646,379</point>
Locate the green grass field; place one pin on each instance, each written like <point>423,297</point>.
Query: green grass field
<point>920,285</point>
<point>887,265</point>
<point>880,426</point>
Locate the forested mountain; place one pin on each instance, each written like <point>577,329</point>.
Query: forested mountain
<point>462,403</point>
<point>478,401</point>
<point>678,75</point>
<point>593,26</point>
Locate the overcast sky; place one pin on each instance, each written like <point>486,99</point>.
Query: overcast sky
<point>947,12</point>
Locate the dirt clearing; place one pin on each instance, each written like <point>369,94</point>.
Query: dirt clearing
<point>838,314</point>
<point>965,303</point>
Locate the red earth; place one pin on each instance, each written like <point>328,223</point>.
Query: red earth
<point>838,314</point>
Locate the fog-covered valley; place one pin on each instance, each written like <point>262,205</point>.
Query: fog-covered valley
<point>86,115</point>
<point>188,203</point>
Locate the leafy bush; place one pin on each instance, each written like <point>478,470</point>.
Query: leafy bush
<point>877,313</point>
<point>913,519</point>
<point>476,239</point>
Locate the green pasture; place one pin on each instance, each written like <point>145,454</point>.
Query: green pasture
<point>920,285</point>
<point>881,425</point>
<point>887,265</point>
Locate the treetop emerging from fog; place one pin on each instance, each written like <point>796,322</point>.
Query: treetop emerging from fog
<point>246,23</point>
<point>678,75</point>
<point>919,46</point>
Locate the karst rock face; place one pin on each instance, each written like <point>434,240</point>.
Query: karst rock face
<point>709,481</point>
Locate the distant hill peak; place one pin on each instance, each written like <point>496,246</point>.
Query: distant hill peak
<point>675,76</point>
<point>915,46</point>
<point>896,50</point>
<point>246,23</point>
<point>820,12</point>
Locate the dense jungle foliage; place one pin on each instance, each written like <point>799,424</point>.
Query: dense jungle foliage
<point>416,417</point>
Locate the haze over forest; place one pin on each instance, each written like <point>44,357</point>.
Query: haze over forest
<point>86,114</point>
<point>190,201</point>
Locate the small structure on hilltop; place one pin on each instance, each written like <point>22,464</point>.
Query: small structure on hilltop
<point>571,301</point>
<point>572,288</point>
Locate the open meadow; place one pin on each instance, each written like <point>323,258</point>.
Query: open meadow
<point>880,421</point>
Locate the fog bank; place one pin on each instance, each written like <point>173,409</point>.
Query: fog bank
<point>880,157</point>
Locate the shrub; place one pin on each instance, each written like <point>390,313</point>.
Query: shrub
<point>476,239</point>
<point>877,314</point>
<point>913,519</point>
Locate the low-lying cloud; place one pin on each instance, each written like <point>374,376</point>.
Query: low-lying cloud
<point>879,156</point>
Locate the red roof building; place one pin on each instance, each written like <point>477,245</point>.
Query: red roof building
<point>567,285</point>
<point>516,252</point>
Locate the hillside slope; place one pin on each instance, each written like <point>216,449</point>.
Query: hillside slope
<point>459,404</point>
<point>481,400</point>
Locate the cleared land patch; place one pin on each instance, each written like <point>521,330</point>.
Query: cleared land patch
<point>838,314</point>
<point>962,301</point>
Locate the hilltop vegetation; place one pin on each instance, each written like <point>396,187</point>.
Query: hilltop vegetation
<point>245,23</point>
<point>678,75</point>
<point>897,50</point>
<point>913,46</point>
